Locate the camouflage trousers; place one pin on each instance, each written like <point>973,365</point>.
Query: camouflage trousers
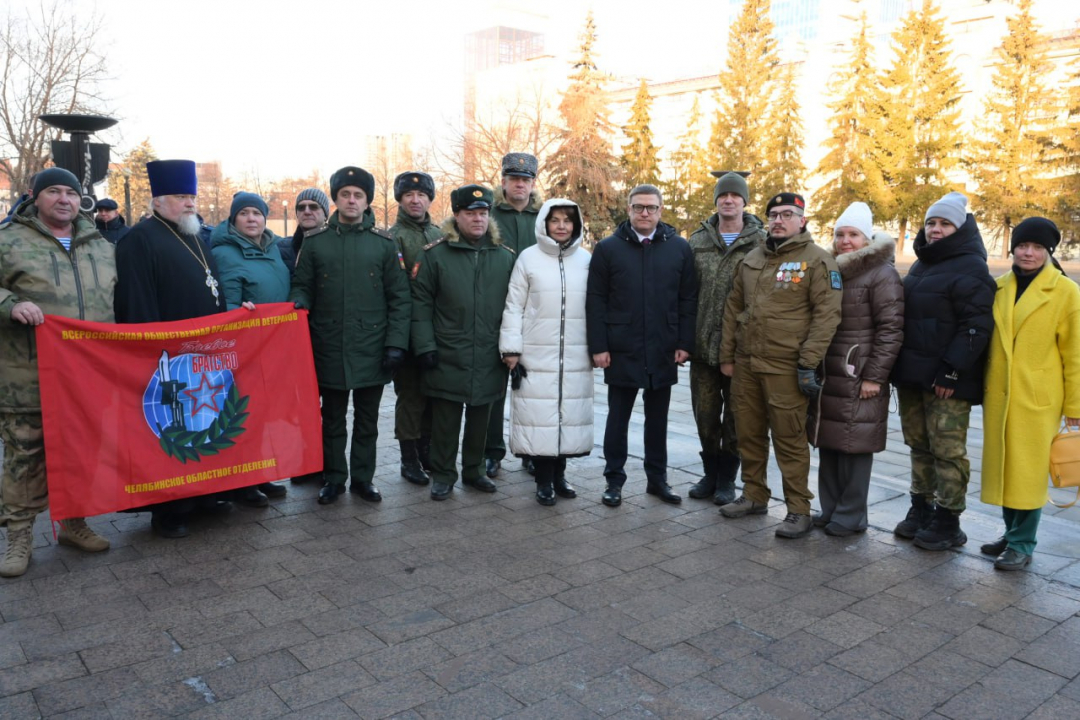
<point>412,411</point>
<point>936,431</point>
<point>23,491</point>
<point>710,396</point>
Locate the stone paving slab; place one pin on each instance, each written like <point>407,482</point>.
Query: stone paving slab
<point>492,606</point>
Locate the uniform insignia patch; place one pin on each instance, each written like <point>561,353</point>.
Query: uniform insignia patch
<point>477,193</point>
<point>415,270</point>
<point>834,280</point>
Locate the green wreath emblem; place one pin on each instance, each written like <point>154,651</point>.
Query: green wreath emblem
<point>185,445</point>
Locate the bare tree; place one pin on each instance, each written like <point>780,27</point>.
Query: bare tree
<point>50,62</point>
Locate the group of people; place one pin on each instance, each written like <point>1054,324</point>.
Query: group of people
<point>785,339</point>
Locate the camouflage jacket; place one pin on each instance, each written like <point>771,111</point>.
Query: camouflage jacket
<point>34,266</point>
<point>411,236</point>
<point>716,263</point>
<point>517,227</point>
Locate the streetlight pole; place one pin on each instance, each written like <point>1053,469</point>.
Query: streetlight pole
<point>285,214</point>
<point>127,196</point>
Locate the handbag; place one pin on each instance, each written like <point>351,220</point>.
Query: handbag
<point>1065,462</point>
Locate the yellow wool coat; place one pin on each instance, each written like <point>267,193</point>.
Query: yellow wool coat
<point>1032,380</point>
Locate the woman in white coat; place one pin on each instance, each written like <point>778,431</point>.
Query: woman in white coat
<point>543,342</point>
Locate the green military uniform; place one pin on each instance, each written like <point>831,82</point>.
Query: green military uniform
<point>459,293</point>
<point>782,312</point>
<point>715,263</point>
<point>351,279</point>
<point>78,283</point>
<point>936,431</point>
<point>410,420</point>
<point>518,231</point>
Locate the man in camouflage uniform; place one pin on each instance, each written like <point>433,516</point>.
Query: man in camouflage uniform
<point>414,191</point>
<point>517,204</point>
<point>719,246</point>
<point>52,262</point>
<point>779,319</point>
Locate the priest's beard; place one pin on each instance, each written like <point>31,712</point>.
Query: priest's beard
<point>188,224</point>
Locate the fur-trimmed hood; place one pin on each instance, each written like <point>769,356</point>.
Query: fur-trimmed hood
<point>452,235</point>
<point>536,200</point>
<point>880,250</point>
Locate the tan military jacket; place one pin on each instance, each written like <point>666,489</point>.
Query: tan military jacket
<point>783,308</point>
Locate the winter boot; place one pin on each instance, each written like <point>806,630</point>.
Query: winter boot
<point>76,533</point>
<point>423,451</point>
<point>918,517</point>
<point>20,546</point>
<point>944,531</point>
<point>411,469</point>
<point>706,487</point>
<point>545,481</point>
<point>562,488</point>
<point>727,470</point>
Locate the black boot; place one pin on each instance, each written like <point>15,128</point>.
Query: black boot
<point>944,531</point>
<point>545,481</point>
<point>562,488</point>
<point>727,469</point>
<point>411,469</point>
<point>423,451</point>
<point>706,486</point>
<point>918,517</point>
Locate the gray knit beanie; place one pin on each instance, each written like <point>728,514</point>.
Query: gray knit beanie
<point>952,207</point>
<point>316,196</point>
<point>733,183</point>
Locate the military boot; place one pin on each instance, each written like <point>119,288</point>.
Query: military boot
<point>918,517</point>
<point>706,486</point>
<point>727,469</point>
<point>411,469</point>
<point>943,533</point>
<point>76,533</point>
<point>20,546</point>
<point>423,451</point>
<point>545,481</point>
<point>562,488</point>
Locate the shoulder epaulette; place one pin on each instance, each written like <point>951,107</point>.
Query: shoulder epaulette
<point>436,242</point>
<point>312,233</point>
<point>509,249</point>
<point>382,233</point>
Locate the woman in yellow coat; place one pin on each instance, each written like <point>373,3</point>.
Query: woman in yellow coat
<point>1032,381</point>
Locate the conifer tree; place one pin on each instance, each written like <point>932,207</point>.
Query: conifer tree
<point>639,154</point>
<point>746,89</point>
<point>850,167</point>
<point>138,181</point>
<point>688,189</point>
<point>583,167</point>
<point>920,139</point>
<point>782,169</point>
<point>1008,161</point>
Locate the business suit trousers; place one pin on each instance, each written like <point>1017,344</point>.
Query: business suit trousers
<point>620,406</point>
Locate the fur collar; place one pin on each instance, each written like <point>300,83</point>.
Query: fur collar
<point>453,236</point>
<point>881,250</point>
<point>535,200</point>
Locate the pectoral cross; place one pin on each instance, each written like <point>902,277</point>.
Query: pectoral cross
<point>213,285</point>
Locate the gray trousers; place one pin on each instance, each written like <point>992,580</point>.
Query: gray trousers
<point>843,486</point>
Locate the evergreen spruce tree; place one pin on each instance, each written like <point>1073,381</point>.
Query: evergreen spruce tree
<point>920,138</point>
<point>138,181</point>
<point>583,167</point>
<point>746,90</point>
<point>639,155</point>
<point>781,168</point>
<point>1009,160</point>
<point>850,166</point>
<point>688,189</point>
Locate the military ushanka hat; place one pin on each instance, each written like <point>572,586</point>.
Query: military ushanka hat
<point>413,180</point>
<point>354,176</point>
<point>471,197</point>
<point>522,164</point>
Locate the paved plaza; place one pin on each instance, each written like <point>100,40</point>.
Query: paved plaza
<point>491,606</point>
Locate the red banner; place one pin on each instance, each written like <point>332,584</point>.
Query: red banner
<point>140,414</point>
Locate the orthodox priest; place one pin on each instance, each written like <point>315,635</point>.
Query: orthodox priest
<point>164,273</point>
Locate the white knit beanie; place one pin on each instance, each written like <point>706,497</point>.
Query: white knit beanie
<point>857,216</point>
<point>952,207</point>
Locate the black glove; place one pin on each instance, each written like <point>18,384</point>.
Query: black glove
<point>808,382</point>
<point>516,375</point>
<point>392,359</point>
<point>429,360</point>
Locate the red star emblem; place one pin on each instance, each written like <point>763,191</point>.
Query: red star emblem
<point>201,397</point>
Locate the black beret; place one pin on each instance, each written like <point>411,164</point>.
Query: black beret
<point>786,198</point>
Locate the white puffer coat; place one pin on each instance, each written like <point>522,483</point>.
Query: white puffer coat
<point>544,321</point>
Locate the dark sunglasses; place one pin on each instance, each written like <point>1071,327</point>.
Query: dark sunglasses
<point>304,207</point>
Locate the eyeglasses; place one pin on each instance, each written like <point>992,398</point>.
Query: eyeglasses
<point>306,207</point>
<point>784,215</point>
<point>645,209</point>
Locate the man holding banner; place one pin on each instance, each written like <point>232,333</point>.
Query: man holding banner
<point>52,261</point>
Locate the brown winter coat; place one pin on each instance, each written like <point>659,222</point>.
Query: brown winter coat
<point>867,341</point>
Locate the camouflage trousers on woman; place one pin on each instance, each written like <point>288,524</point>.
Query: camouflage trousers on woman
<point>936,431</point>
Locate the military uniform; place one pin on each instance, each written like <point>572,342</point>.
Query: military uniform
<point>459,292</point>
<point>780,316</point>
<point>351,279</point>
<point>78,283</point>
